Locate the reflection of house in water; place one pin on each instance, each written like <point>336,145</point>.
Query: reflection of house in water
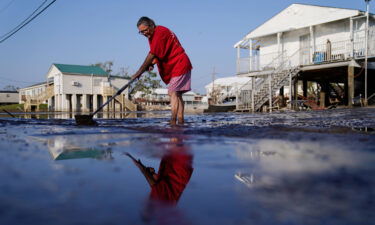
<point>246,178</point>
<point>307,46</point>
<point>61,149</point>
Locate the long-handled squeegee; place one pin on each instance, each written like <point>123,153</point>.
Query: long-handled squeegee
<point>87,119</point>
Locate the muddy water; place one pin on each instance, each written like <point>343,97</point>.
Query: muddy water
<point>280,168</point>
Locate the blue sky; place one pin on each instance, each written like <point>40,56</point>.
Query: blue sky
<point>89,31</point>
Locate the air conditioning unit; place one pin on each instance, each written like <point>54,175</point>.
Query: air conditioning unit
<point>75,83</point>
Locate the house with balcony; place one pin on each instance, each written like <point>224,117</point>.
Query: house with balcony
<point>224,90</point>
<point>77,88</point>
<point>158,99</point>
<point>33,96</point>
<point>307,46</point>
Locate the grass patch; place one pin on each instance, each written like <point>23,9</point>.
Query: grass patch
<point>19,107</point>
<point>12,108</point>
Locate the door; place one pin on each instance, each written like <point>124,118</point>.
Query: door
<point>304,46</point>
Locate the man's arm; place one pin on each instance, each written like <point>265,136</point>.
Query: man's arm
<point>148,172</point>
<point>145,66</point>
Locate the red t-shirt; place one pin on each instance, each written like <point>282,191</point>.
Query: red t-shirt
<point>174,173</point>
<point>172,60</point>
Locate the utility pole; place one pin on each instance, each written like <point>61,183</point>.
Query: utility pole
<point>366,49</point>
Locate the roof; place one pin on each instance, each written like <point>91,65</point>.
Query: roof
<point>5,91</point>
<point>79,69</point>
<point>298,16</point>
<point>34,85</point>
<point>229,81</point>
<point>160,91</point>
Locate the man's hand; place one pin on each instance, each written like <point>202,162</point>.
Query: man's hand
<point>151,67</point>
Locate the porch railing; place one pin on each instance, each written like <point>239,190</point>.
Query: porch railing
<point>322,53</point>
<point>261,62</point>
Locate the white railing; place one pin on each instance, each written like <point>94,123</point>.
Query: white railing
<point>322,53</point>
<point>332,51</point>
<point>261,62</point>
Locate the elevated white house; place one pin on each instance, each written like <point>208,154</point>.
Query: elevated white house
<point>225,89</point>
<point>74,88</point>
<point>84,88</point>
<point>158,99</point>
<point>304,44</point>
<point>160,96</point>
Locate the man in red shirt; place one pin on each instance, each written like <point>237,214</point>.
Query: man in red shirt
<point>173,63</point>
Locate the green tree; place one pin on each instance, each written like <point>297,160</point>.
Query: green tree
<point>145,84</point>
<point>106,66</point>
<point>10,88</point>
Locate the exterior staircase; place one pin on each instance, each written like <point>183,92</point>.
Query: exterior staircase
<point>125,103</point>
<point>35,101</point>
<point>253,100</point>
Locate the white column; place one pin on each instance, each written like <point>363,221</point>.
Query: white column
<point>312,43</point>
<point>270,91</point>
<point>352,36</point>
<point>290,91</point>
<point>85,104</point>
<point>105,98</point>
<point>65,103</point>
<point>56,103</point>
<point>60,102</point>
<point>74,103</point>
<point>49,104</point>
<point>252,93</point>
<point>251,55</point>
<point>94,102</point>
<point>279,50</point>
<point>238,59</point>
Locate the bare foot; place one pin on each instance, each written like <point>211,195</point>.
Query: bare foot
<point>181,121</point>
<point>172,122</point>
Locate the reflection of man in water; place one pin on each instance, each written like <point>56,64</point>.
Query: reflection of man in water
<point>174,173</point>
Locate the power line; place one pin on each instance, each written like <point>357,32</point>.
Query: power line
<point>17,81</point>
<point>25,20</point>
<point>11,34</point>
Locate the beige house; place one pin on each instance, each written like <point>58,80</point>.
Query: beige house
<point>8,97</point>
<point>77,88</point>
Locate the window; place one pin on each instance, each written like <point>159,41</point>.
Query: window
<point>97,82</point>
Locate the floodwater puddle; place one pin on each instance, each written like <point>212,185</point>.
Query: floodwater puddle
<point>280,168</point>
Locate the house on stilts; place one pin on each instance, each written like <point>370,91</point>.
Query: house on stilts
<point>77,88</point>
<point>308,47</point>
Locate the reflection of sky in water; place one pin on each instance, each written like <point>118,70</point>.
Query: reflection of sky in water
<point>296,168</point>
<point>310,182</point>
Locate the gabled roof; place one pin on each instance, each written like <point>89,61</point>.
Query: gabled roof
<point>5,91</point>
<point>34,85</point>
<point>79,69</point>
<point>229,81</point>
<point>299,16</point>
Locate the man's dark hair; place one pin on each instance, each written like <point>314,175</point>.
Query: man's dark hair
<point>146,21</point>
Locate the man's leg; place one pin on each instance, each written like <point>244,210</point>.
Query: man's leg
<point>180,110</point>
<point>174,106</point>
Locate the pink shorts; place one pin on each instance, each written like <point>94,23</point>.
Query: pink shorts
<point>181,83</point>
